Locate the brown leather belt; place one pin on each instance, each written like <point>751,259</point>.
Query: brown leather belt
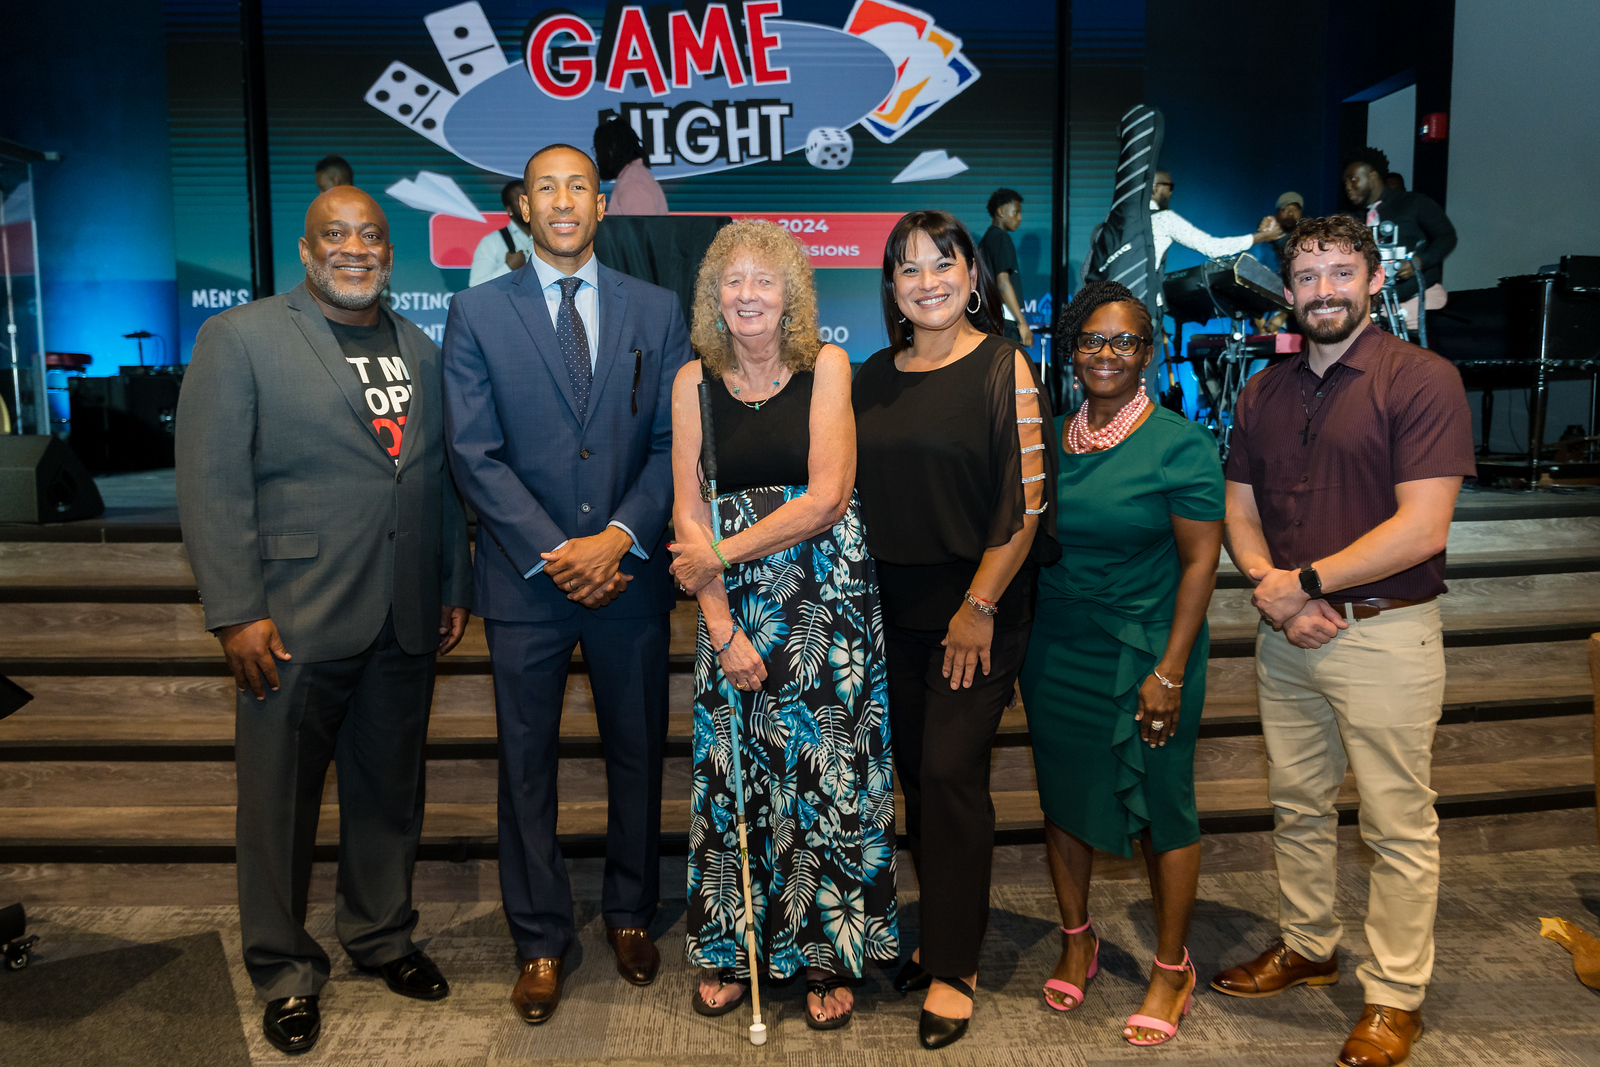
<point>1372,607</point>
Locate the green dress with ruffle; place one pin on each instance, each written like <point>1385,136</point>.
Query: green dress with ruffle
<point>1101,624</point>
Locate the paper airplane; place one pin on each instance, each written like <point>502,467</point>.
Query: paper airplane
<point>930,167</point>
<point>436,194</point>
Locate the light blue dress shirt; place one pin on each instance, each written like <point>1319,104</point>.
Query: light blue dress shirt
<point>587,299</point>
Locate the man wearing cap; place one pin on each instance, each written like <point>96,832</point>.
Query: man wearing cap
<point>1291,207</point>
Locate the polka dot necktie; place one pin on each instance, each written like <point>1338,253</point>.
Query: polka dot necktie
<point>574,341</point>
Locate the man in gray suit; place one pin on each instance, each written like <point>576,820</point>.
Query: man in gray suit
<point>331,553</point>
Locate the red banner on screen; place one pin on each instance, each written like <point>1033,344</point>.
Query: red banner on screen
<point>830,238</point>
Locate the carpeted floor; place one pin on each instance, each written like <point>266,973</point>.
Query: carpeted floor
<point>1501,995</point>
<point>168,1002</point>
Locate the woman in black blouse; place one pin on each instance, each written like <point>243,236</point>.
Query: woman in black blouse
<point>956,485</point>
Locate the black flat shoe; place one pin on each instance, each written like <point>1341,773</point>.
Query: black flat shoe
<point>725,976</point>
<point>821,987</point>
<point>935,1031</point>
<point>911,978</point>
<point>415,976</point>
<point>292,1024</point>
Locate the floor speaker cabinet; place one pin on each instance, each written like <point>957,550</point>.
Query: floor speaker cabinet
<point>125,422</point>
<point>41,480</point>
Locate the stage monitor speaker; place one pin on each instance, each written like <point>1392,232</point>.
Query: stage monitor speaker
<point>41,480</point>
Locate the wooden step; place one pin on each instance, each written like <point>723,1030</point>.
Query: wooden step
<point>152,571</point>
<point>121,717</point>
<point>1486,549</point>
<point>1476,611</point>
<point>67,833</point>
<point>1510,755</point>
<point>72,633</point>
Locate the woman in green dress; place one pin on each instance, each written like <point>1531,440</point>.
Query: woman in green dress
<point>1115,675</point>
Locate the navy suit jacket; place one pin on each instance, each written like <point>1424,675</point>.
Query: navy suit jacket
<point>534,474</point>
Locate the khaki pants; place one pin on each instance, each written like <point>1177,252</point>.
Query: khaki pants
<point>1367,700</point>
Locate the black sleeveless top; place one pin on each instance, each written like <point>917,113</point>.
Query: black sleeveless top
<point>770,446</point>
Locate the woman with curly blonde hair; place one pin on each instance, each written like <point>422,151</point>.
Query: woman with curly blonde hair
<point>790,640</point>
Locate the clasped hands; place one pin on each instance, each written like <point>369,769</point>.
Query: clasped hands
<point>586,568</point>
<point>695,564</point>
<point>1307,623</point>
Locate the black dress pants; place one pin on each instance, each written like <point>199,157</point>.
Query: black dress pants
<point>942,739</point>
<point>367,714</point>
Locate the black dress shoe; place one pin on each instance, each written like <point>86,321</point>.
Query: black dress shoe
<point>912,977</point>
<point>415,976</point>
<point>935,1031</point>
<point>292,1024</point>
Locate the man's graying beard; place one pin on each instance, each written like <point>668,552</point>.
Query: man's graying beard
<point>342,294</point>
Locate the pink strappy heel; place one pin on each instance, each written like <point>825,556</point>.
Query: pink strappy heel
<point>1167,1030</point>
<point>1058,986</point>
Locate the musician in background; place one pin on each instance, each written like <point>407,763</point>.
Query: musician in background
<point>1290,209</point>
<point>1169,227</point>
<point>1424,228</point>
<point>508,248</point>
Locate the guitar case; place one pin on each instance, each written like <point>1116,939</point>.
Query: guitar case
<point>1123,247</point>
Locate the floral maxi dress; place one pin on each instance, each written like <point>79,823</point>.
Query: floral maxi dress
<point>814,744</point>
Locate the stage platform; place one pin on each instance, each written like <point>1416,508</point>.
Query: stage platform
<point>126,753</point>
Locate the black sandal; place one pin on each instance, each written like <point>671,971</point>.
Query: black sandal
<point>935,1031</point>
<point>820,988</point>
<point>725,976</point>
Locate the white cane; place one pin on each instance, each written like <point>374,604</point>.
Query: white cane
<point>708,470</point>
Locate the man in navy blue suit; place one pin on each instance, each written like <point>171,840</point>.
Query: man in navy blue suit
<point>558,382</point>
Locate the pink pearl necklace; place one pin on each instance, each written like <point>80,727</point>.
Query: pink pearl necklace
<point>1081,439</point>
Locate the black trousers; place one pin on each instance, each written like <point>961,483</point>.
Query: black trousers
<point>942,739</point>
<point>369,716</point>
<point>627,665</point>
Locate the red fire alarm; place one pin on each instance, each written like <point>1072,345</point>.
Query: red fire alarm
<point>1435,126</point>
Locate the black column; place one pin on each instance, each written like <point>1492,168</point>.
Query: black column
<point>257,170</point>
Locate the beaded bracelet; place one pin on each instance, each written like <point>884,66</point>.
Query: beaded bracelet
<point>718,551</point>
<point>986,607</point>
<point>729,641</point>
<point>1164,682</point>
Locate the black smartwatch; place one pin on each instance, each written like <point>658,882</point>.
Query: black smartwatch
<point>1310,582</point>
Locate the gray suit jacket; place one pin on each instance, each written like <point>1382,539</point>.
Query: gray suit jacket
<point>292,509</point>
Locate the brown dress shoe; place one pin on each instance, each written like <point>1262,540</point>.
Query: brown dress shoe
<point>1382,1038</point>
<point>538,989</point>
<point>637,956</point>
<point>1277,969</point>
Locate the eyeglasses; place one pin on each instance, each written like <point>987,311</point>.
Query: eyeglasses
<point>1123,344</point>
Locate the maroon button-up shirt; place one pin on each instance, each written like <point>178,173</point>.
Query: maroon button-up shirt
<point>1324,454</point>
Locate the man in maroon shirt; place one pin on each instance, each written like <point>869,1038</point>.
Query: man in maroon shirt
<point>1342,477</point>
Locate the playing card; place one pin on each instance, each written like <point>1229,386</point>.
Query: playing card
<point>467,43</point>
<point>929,66</point>
<point>870,14</point>
<point>414,99</point>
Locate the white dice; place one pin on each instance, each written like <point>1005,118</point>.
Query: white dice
<point>829,148</point>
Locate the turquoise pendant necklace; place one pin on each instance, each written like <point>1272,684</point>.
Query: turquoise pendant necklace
<point>755,405</point>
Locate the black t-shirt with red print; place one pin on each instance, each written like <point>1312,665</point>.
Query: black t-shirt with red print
<point>373,353</point>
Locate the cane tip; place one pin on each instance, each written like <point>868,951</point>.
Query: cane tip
<point>758,1033</point>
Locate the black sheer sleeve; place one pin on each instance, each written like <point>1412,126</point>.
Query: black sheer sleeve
<point>1022,454</point>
